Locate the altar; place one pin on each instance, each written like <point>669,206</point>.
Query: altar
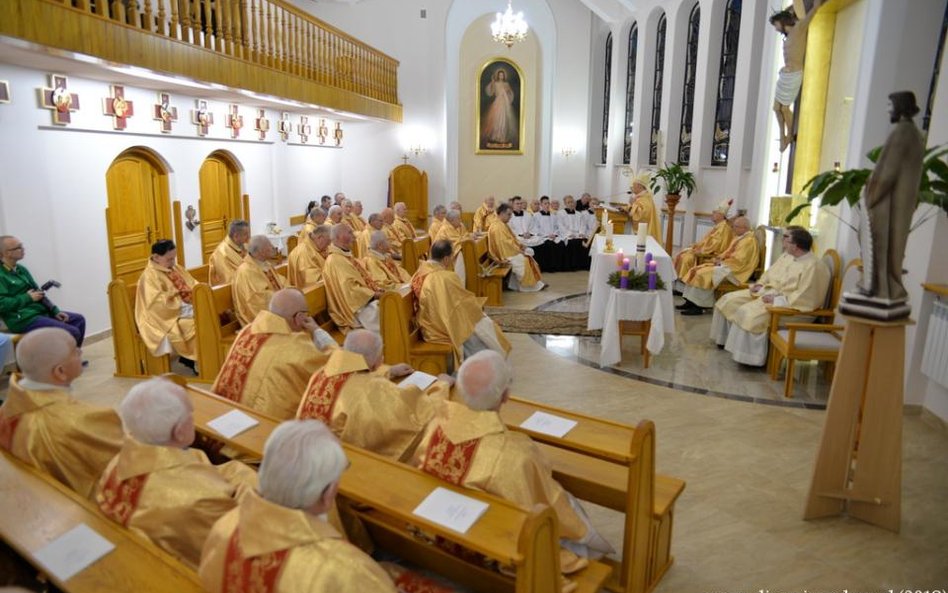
<point>604,264</point>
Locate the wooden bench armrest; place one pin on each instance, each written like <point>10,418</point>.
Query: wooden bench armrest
<point>815,327</point>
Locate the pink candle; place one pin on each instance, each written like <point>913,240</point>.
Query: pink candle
<point>652,275</point>
<point>625,264</point>
<point>619,257</point>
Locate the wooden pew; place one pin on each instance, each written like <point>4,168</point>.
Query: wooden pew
<point>414,250</point>
<point>217,327</point>
<point>318,306</point>
<point>613,465</point>
<point>132,358</point>
<point>37,509</point>
<point>401,337</point>
<point>201,273</point>
<point>480,281</point>
<point>527,539</point>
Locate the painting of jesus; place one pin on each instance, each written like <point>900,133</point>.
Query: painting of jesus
<point>500,108</point>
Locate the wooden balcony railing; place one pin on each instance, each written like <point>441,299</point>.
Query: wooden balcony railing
<point>267,37</point>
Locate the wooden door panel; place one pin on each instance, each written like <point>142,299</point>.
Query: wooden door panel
<point>408,184</point>
<point>219,203</point>
<point>131,213</point>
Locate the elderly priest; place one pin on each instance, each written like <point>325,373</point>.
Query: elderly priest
<point>504,246</point>
<point>711,245</point>
<point>306,261</point>
<point>350,291</point>
<point>41,422</point>
<point>387,273</point>
<point>735,265</point>
<point>255,280</point>
<point>229,253</point>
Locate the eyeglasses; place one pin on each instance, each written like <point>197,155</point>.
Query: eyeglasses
<point>17,248</point>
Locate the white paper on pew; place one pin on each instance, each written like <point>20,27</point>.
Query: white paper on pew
<point>232,423</point>
<point>420,379</point>
<point>450,509</point>
<point>548,424</point>
<point>73,552</point>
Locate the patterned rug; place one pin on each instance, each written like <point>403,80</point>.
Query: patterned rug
<point>519,321</point>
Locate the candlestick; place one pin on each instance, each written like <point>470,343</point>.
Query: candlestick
<point>652,275</point>
<point>624,279</point>
<point>625,264</point>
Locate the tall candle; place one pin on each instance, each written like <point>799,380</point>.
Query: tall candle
<point>619,257</point>
<point>641,233</point>
<point>652,275</point>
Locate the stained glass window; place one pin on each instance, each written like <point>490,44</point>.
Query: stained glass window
<point>688,93</point>
<point>657,91</point>
<point>934,84</point>
<point>630,93</point>
<point>721,138</point>
<point>606,80</point>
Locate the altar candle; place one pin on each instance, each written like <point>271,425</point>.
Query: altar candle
<point>625,264</point>
<point>652,275</point>
<point>640,262</point>
<point>624,279</point>
<point>648,257</point>
<point>619,257</point>
<point>605,218</point>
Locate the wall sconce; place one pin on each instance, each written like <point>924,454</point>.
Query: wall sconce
<point>191,214</point>
<point>568,151</point>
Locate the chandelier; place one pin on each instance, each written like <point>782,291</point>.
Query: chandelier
<point>509,28</point>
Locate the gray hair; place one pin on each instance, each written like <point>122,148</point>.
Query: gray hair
<point>237,226</point>
<point>152,409</point>
<point>483,379</point>
<point>366,343</point>
<point>335,209</point>
<point>300,460</point>
<point>257,242</point>
<point>452,216</point>
<point>373,217</point>
<point>316,212</point>
<point>439,209</point>
<point>338,229</point>
<point>287,302</point>
<point>376,239</point>
<point>320,230</point>
<point>42,350</point>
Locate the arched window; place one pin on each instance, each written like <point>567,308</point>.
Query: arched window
<point>606,81</point>
<point>657,91</point>
<point>688,94</point>
<point>630,93</point>
<point>721,139</point>
<point>927,119</point>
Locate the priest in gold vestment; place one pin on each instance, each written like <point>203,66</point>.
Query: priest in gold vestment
<point>394,232</point>
<point>711,245</point>
<point>387,273</point>
<point>255,280</point>
<point>363,408</point>
<point>734,265</point>
<point>467,444</point>
<point>437,219</point>
<point>164,313</point>
<point>454,232</point>
<point>229,253</point>
<point>642,207</point>
<point>315,218</point>
<point>276,540</point>
<point>450,314</point>
<point>504,246</point>
<point>271,359</point>
<point>305,265</point>
<point>351,218</point>
<point>361,242</point>
<point>798,279</point>
<point>485,215</point>
<point>404,226</point>
<point>44,425</point>
<point>159,488</point>
<point>351,293</point>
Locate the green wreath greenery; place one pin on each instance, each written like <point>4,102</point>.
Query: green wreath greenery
<point>637,281</point>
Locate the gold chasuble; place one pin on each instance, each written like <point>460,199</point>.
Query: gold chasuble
<point>305,267</point>
<point>503,245</point>
<point>348,288</point>
<point>740,258</point>
<point>802,282</point>
<point>385,271</point>
<point>261,547</point>
<point>253,285</point>
<point>434,227</point>
<point>68,439</point>
<point>171,496</point>
<point>455,235</point>
<point>365,409</point>
<point>393,235</point>
<point>711,246</point>
<point>355,221</point>
<point>268,366</point>
<point>447,312</point>
<point>642,209</point>
<point>308,227</point>
<point>483,218</point>
<point>475,450</point>
<point>404,228</point>
<point>224,261</point>
<point>161,293</point>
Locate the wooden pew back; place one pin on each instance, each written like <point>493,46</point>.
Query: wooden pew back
<point>401,337</point>
<point>413,251</point>
<point>132,358</point>
<point>486,284</point>
<point>318,305</point>
<point>201,273</point>
<point>217,327</point>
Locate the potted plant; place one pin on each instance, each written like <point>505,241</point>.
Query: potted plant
<point>676,179</point>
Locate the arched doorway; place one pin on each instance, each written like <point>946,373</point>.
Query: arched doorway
<point>220,199</point>
<point>138,212</point>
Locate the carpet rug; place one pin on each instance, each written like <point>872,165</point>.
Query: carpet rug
<point>519,321</point>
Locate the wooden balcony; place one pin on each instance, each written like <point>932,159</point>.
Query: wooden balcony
<point>263,46</point>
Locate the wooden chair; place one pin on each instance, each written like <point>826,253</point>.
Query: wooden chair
<point>760,235</point>
<point>132,358</point>
<point>297,220</point>
<point>483,281</point>
<point>216,325</point>
<point>413,251</point>
<point>401,337</point>
<point>809,341</point>
<point>291,242</point>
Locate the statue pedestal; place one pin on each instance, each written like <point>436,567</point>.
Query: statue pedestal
<point>858,468</point>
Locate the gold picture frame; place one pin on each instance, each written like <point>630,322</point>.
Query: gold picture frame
<point>500,99</point>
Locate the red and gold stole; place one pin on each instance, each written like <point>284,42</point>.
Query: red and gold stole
<point>258,574</point>
<point>232,378</point>
<point>447,460</point>
<point>272,279</point>
<point>7,430</point>
<point>120,497</point>
<point>320,396</point>
<point>365,274</point>
<point>180,285</point>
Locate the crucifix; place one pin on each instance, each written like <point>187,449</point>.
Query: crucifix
<point>323,131</point>
<point>262,124</point>
<point>118,108</point>
<point>201,117</point>
<point>337,134</point>
<point>284,127</point>
<point>234,121</point>
<point>59,100</point>
<point>165,113</point>
<point>304,129</point>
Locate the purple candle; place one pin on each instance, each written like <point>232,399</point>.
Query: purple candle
<point>652,275</point>
<point>648,258</point>
<point>624,278</point>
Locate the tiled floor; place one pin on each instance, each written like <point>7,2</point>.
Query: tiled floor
<point>738,525</point>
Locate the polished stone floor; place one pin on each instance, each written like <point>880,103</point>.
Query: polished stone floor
<point>738,525</point>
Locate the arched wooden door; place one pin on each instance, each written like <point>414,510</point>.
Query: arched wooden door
<point>220,199</point>
<point>408,184</point>
<point>138,212</point>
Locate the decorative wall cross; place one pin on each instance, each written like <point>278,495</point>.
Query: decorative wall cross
<point>165,113</point>
<point>337,134</point>
<point>59,100</point>
<point>234,121</point>
<point>323,131</point>
<point>304,129</point>
<point>117,107</point>
<point>201,117</point>
<point>262,124</point>
<point>284,126</point>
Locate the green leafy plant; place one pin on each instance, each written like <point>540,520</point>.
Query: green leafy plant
<point>832,187</point>
<point>675,179</point>
<point>637,281</point>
